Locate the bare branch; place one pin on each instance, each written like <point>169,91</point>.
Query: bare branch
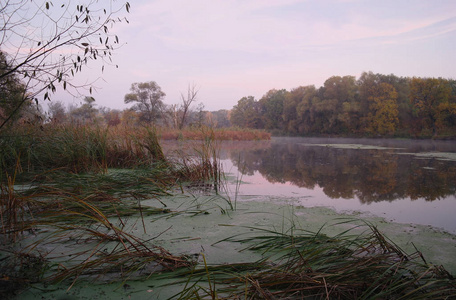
<point>192,93</point>
<point>47,45</point>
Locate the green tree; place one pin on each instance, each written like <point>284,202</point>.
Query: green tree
<point>337,90</point>
<point>12,93</point>
<point>85,113</point>
<point>57,112</point>
<point>247,113</point>
<point>148,99</point>
<point>289,114</point>
<point>48,45</point>
<point>272,108</point>
<point>303,99</point>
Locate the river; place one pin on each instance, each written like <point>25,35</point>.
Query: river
<point>404,181</point>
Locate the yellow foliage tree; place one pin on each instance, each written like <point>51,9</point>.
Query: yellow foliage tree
<point>430,100</point>
<point>383,109</point>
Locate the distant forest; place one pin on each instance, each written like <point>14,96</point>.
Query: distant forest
<point>373,105</point>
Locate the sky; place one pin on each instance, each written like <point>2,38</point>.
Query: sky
<point>230,49</point>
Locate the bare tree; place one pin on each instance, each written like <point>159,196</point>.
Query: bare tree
<point>187,101</point>
<point>47,44</point>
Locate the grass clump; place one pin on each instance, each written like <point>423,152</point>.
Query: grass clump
<point>309,265</point>
<point>77,226</point>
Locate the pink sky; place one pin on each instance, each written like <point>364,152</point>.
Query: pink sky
<point>236,48</point>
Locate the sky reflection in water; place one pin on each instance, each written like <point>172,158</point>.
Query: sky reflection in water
<point>386,180</point>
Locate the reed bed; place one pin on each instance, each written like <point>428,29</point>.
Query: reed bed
<point>92,148</point>
<point>199,162</point>
<point>82,148</point>
<point>221,134</point>
<point>309,265</point>
<point>76,187</point>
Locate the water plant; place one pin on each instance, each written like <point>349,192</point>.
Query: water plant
<point>351,265</point>
<point>85,214</point>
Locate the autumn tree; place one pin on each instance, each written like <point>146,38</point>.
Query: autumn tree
<point>368,84</point>
<point>428,96</point>
<point>383,109</point>
<point>402,87</point>
<point>375,104</point>
<point>48,44</point>
<point>148,100</point>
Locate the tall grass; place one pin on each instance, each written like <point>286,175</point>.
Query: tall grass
<point>224,134</point>
<point>73,195</point>
<point>92,148</point>
<point>79,149</point>
<point>198,162</point>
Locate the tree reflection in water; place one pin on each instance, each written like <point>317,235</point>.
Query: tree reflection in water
<point>371,174</point>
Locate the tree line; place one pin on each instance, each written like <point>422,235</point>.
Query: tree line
<point>17,107</point>
<point>35,63</point>
<point>148,109</point>
<point>372,105</point>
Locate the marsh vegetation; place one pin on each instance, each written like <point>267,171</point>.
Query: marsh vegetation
<point>93,206</point>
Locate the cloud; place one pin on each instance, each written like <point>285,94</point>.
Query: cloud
<point>268,27</point>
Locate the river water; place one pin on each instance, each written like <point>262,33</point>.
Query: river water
<point>404,181</point>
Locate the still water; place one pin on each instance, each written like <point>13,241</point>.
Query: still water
<point>404,181</point>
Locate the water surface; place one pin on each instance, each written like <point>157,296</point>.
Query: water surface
<point>405,181</point>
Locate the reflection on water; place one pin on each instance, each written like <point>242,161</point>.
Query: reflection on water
<point>368,173</point>
<point>349,172</point>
